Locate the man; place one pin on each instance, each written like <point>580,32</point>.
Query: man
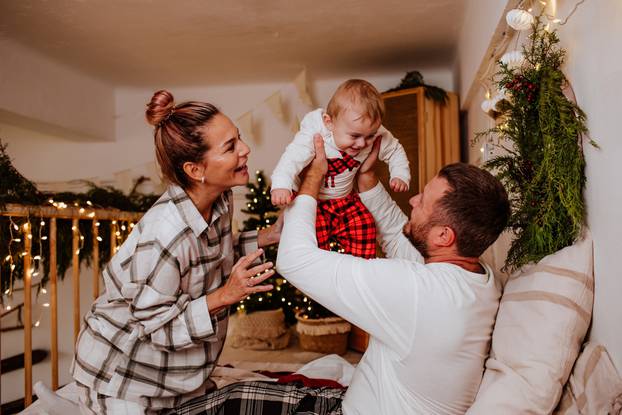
<point>429,307</point>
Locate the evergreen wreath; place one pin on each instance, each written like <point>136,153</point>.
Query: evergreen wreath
<point>543,168</point>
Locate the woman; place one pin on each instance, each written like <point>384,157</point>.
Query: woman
<point>152,339</point>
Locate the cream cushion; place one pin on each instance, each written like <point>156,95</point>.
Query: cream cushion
<point>543,316</point>
<point>594,386</point>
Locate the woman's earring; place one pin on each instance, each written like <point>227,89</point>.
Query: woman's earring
<point>203,179</point>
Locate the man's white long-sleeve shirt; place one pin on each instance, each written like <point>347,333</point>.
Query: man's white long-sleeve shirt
<point>301,151</point>
<point>430,325</point>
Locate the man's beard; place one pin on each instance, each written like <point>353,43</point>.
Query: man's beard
<point>418,236</point>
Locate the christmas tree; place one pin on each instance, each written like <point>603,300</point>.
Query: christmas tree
<point>262,214</point>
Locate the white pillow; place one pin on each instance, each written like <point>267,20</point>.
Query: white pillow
<point>543,316</point>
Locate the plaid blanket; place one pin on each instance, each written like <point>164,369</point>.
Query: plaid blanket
<point>256,398</point>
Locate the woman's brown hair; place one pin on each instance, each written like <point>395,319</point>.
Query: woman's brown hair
<point>177,134</point>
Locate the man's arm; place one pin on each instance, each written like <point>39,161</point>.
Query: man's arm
<point>377,295</point>
<point>389,218</point>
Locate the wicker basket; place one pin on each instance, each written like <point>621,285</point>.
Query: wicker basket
<point>324,335</point>
<point>260,330</point>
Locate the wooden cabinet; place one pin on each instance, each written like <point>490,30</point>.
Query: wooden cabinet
<point>429,132</point>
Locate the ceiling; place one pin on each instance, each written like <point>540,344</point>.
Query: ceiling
<point>189,42</point>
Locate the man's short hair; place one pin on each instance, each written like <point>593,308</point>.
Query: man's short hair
<point>476,207</point>
<point>358,94</point>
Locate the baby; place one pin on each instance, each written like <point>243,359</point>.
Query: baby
<point>349,126</point>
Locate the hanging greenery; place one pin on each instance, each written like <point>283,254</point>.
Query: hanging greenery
<point>543,165</point>
<point>414,79</point>
<point>15,188</point>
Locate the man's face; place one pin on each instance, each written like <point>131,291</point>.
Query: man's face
<point>424,208</point>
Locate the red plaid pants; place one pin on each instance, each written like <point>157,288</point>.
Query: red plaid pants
<point>348,221</point>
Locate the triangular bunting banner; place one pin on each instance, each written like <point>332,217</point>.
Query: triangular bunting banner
<point>295,125</point>
<point>301,86</point>
<point>245,123</point>
<point>276,105</point>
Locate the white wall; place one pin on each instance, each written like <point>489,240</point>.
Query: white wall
<point>594,68</point>
<point>480,21</point>
<point>48,96</point>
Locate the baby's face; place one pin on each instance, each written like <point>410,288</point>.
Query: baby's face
<point>351,131</point>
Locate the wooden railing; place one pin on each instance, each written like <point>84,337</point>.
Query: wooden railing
<point>75,215</point>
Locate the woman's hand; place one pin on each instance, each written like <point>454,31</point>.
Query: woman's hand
<point>243,281</point>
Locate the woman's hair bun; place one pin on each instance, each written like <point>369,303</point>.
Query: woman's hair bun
<point>160,107</point>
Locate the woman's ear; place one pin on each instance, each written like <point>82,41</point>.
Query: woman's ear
<point>194,170</point>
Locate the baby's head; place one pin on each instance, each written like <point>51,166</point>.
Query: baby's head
<point>353,115</point>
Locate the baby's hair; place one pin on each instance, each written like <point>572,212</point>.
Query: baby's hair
<point>359,94</point>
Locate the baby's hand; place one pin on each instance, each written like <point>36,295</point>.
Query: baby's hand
<point>398,185</point>
<point>281,197</point>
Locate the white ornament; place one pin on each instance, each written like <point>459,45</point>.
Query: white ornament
<point>487,105</point>
<point>519,19</point>
<point>501,95</point>
<point>513,59</point>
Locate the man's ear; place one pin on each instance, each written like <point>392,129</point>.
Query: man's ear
<point>328,121</point>
<point>443,236</point>
<point>194,170</point>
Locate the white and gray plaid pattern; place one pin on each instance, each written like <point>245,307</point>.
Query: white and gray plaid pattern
<point>265,398</point>
<point>149,338</point>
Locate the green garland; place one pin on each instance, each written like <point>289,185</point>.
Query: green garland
<point>543,169</point>
<point>15,188</point>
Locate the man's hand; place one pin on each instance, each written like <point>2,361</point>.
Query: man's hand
<point>371,159</point>
<point>316,170</point>
<point>366,178</point>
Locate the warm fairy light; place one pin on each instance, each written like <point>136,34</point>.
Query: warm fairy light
<point>132,225</point>
<point>77,252</point>
<point>123,227</point>
<point>51,200</point>
<point>7,258</point>
<point>15,227</point>
<point>91,215</point>
<point>37,323</point>
<point>88,202</point>
<point>29,236</point>
<point>99,238</point>
<point>8,307</point>
<point>26,226</point>
<point>42,223</point>
<point>17,240</point>
<point>81,210</point>
<point>114,222</point>
<point>44,238</point>
<point>97,224</point>
<point>117,233</point>
<point>283,299</point>
<point>45,304</point>
<point>37,257</point>
<point>44,291</point>
<point>73,228</point>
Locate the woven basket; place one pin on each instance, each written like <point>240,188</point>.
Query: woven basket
<point>260,330</point>
<point>324,335</point>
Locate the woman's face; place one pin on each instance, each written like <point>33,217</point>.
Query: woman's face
<point>225,161</point>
